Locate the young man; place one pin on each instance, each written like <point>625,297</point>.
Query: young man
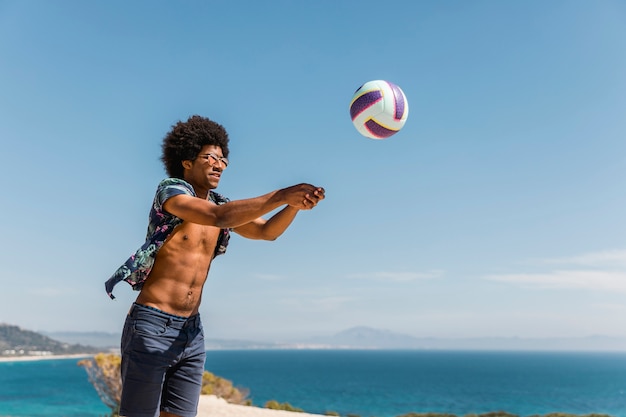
<point>162,343</point>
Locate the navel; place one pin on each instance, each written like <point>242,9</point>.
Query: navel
<point>185,237</point>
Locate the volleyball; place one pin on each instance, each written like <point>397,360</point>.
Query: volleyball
<point>379,109</point>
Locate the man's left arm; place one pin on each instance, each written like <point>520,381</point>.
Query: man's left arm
<point>270,229</point>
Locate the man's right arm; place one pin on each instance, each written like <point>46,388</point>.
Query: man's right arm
<point>239,212</point>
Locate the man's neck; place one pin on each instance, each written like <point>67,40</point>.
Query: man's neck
<point>201,192</point>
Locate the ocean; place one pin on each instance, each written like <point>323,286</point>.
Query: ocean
<point>367,383</point>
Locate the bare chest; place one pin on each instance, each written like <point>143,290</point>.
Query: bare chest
<point>192,238</point>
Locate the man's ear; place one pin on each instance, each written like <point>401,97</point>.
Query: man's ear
<point>187,164</point>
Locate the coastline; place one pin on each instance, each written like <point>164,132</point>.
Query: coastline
<point>28,358</point>
<point>212,406</point>
<point>208,406</point>
<point>75,392</point>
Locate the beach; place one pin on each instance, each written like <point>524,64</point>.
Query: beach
<point>212,406</point>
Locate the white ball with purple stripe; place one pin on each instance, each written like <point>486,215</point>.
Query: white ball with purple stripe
<point>379,109</point>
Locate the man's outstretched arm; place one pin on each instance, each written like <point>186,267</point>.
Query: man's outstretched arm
<point>268,229</point>
<point>240,212</point>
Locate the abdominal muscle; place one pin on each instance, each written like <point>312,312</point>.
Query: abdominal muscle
<point>180,270</point>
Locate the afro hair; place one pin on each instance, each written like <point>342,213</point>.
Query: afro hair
<point>185,140</point>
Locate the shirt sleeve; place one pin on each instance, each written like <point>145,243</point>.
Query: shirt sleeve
<point>169,188</point>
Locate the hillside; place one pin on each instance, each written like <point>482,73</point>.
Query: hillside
<point>15,341</point>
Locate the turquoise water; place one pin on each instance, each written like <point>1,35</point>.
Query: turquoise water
<point>390,383</point>
<point>366,383</point>
<point>47,388</point>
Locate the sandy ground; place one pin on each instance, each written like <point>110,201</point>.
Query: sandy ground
<point>211,406</point>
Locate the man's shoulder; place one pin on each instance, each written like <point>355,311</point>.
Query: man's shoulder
<point>176,183</point>
<point>173,185</point>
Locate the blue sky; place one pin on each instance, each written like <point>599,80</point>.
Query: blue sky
<point>496,211</point>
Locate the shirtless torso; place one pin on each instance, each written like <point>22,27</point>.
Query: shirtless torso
<point>180,270</point>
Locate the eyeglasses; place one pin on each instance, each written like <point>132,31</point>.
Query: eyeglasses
<point>214,159</point>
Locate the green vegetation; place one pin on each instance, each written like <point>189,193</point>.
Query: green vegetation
<point>223,388</point>
<point>103,371</point>
<point>275,405</point>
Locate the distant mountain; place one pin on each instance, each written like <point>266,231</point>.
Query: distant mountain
<point>370,338</point>
<point>15,341</point>
<point>367,338</point>
<point>98,339</point>
<point>363,337</point>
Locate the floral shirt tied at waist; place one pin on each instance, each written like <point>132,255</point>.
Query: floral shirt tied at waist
<point>160,224</point>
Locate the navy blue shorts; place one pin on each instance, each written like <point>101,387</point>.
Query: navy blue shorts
<point>162,363</point>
